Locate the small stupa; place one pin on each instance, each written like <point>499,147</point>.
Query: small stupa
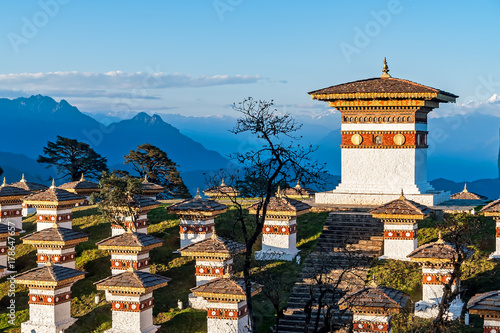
<point>227,310</point>
<point>11,205</point>
<point>400,218</point>
<point>130,249</point>
<point>53,205</point>
<point>214,259</point>
<point>436,259</point>
<point>82,187</point>
<point>30,187</point>
<point>197,218</point>
<point>222,191</point>
<point>49,297</point>
<point>279,233</point>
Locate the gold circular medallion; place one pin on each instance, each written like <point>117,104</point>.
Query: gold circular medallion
<point>399,139</point>
<point>356,139</point>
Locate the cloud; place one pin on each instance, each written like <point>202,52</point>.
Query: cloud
<point>115,80</point>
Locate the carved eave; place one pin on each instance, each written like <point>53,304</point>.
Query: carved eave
<point>285,215</point>
<point>50,284</point>
<point>55,244</point>
<point>208,255</point>
<point>486,313</point>
<point>128,249</point>
<point>54,204</point>
<point>230,298</point>
<point>130,290</point>
<point>493,214</point>
<point>372,310</point>
<point>198,214</point>
<point>400,216</point>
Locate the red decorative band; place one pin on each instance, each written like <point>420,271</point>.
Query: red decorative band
<point>212,271</point>
<point>10,212</point>
<point>132,306</point>
<point>227,313</point>
<point>55,218</point>
<point>138,225</point>
<point>3,250</point>
<point>124,264</point>
<point>400,234</point>
<point>365,326</point>
<point>279,229</point>
<point>384,139</point>
<point>56,259</point>
<point>196,229</point>
<point>49,300</point>
<point>492,329</point>
<point>498,233</point>
<point>435,279</point>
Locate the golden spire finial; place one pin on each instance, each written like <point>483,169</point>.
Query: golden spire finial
<point>440,239</point>
<point>49,261</point>
<point>465,188</point>
<point>402,196</point>
<point>130,268</point>
<point>4,182</point>
<point>222,183</point>
<point>278,193</point>
<point>82,178</point>
<point>145,177</point>
<point>298,184</point>
<point>385,70</point>
<point>53,183</point>
<point>22,179</point>
<point>198,196</point>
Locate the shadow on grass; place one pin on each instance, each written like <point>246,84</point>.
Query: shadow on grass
<point>97,320</point>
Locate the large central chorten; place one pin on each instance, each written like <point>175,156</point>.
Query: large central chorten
<point>384,140</point>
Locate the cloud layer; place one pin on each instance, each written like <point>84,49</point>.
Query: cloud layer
<point>111,84</point>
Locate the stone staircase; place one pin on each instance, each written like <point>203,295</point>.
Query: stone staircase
<point>340,263</point>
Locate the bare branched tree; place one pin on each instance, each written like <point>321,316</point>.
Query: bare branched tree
<point>459,230</point>
<point>278,159</point>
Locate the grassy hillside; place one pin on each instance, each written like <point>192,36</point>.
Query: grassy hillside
<point>97,317</point>
<point>478,274</point>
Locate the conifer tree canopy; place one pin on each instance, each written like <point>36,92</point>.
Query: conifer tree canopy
<point>73,158</point>
<point>151,161</point>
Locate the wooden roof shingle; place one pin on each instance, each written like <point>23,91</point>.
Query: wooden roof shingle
<point>401,207</point>
<point>130,240</point>
<point>55,235</point>
<point>485,303</point>
<point>133,282</point>
<point>377,299</point>
<point>49,275</point>
<point>215,246</point>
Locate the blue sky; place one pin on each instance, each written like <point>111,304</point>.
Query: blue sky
<point>197,57</point>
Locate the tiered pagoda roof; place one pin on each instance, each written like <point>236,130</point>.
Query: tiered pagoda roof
<point>298,192</point>
<point>466,195</point>
<point>485,304</point>
<point>197,206</point>
<point>280,205</point>
<point>401,208</point>
<point>378,299</point>
<point>436,252</point>
<point>53,195</point>
<point>81,186</point>
<point>129,242</point>
<point>29,186</point>
<point>132,282</point>
<point>224,289</point>
<point>384,87</point>
<point>9,192</point>
<point>55,237</point>
<point>492,209</point>
<point>221,191</point>
<point>149,188</point>
<point>49,276</point>
<point>213,247</point>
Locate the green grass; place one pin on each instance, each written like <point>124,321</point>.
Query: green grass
<point>97,317</point>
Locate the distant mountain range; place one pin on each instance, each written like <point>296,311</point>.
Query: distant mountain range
<point>29,123</point>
